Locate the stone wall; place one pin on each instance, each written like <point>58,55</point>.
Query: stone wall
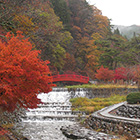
<point>107,125</point>
<point>127,110</point>
<point>76,132</point>
<point>101,92</point>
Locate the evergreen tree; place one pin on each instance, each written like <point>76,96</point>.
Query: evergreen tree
<point>117,32</point>
<point>62,11</point>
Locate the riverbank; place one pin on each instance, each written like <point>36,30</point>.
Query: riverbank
<point>89,106</point>
<point>77,131</point>
<point>89,86</point>
<point>7,124</point>
<point>57,95</point>
<point>105,124</point>
<point>10,133</point>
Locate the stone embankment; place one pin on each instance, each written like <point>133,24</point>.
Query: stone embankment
<point>100,92</point>
<point>78,132</point>
<point>107,121</point>
<point>127,110</point>
<point>9,135</point>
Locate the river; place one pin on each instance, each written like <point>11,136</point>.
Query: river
<point>43,130</point>
<point>44,122</point>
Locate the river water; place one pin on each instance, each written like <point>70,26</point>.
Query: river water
<point>44,122</point>
<point>43,130</point>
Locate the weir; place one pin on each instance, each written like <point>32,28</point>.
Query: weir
<point>44,122</point>
<point>55,107</point>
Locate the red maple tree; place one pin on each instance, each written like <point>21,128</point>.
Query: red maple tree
<point>121,73</point>
<point>104,74</point>
<point>23,75</point>
<point>136,73</point>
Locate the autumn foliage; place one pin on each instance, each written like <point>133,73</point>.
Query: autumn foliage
<point>136,73</point>
<point>127,74</point>
<point>73,35</point>
<point>121,73</point>
<point>104,74</point>
<point>23,74</point>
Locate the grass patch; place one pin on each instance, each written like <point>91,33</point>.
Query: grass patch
<point>125,138</point>
<point>101,86</point>
<point>91,105</point>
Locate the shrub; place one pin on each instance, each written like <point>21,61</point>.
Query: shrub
<point>133,98</point>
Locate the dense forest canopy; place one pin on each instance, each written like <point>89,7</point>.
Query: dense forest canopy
<point>73,35</point>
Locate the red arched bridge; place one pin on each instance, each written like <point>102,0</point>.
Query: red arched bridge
<point>70,77</point>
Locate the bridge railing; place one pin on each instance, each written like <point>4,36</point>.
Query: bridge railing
<point>71,77</point>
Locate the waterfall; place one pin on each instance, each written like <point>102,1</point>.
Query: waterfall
<point>55,107</point>
<point>44,122</point>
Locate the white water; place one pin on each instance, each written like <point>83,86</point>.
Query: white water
<point>43,130</point>
<point>44,122</point>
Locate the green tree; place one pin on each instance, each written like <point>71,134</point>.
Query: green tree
<point>61,10</point>
<point>87,25</point>
<point>113,48</point>
<point>116,31</point>
<point>48,35</point>
<point>133,50</point>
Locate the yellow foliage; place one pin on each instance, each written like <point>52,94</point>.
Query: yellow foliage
<point>25,24</point>
<point>96,36</point>
<point>9,125</point>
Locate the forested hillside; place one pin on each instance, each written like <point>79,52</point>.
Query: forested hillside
<point>128,31</point>
<point>73,35</point>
